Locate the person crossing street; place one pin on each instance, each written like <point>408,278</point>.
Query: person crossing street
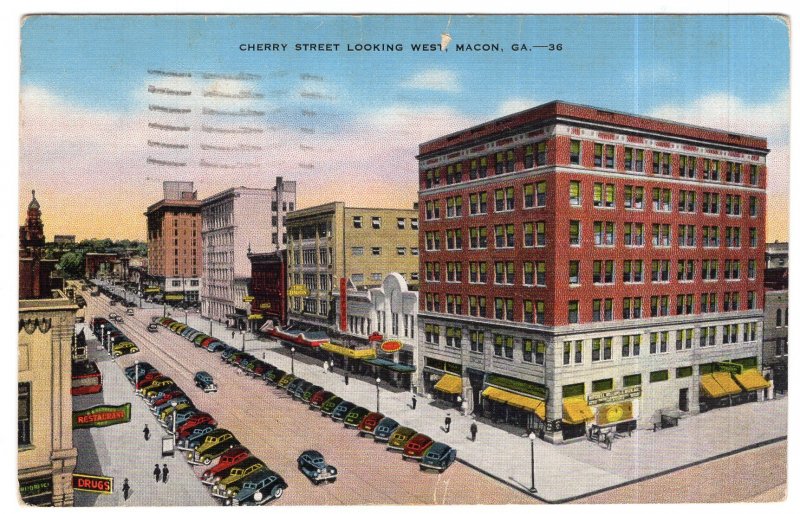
<point>146,432</point>
<point>157,473</point>
<point>126,488</point>
<point>447,421</point>
<point>165,473</point>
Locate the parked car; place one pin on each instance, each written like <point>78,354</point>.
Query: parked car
<point>147,379</point>
<point>227,352</point>
<point>301,389</point>
<point>319,398</point>
<point>291,388</point>
<point>275,375</point>
<point>368,423</point>
<point>259,488</point>
<point>235,474</point>
<point>267,368</point>
<point>227,460</point>
<point>216,346</point>
<point>384,430</point>
<point>309,392</point>
<point>198,418</point>
<point>144,368</point>
<point>183,400</point>
<point>124,348</point>
<point>215,444</point>
<point>166,414</point>
<point>312,464</point>
<point>439,457</point>
<point>166,396</point>
<point>204,381</point>
<point>341,410</point>
<point>399,438</point>
<point>155,386</point>
<point>129,311</point>
<point>195,437</point>
<point>355,416</point>
<point>152,327</point>
<point>416,447</point>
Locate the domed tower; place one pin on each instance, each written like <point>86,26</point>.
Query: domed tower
<point>35,272</point>
<point>31,234</point>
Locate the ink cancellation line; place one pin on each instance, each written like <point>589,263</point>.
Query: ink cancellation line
<point>160,162</point>
<point>238,130</point>
<point>171,110</point>
<point>168,91</point>
<point>162,126</point>
<point>164,73</point>
<point>238,166</point>
<point>159,144</point>
<point>240,112</point>
<point>226,76</point>
<point>239,148</point>
<point>244,94</point>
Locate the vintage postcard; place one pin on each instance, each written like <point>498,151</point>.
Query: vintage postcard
<point>403,259</point>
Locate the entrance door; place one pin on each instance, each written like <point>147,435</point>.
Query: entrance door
<point>683,399</point>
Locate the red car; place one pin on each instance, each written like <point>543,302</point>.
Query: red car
<point>228,459</point>
<point>207,341</point>
<point>368,424</point>
<point>318,398</point>
<point>416,447</point>
<point>148,379</point>
<point>185,428</point>
<point>169,396</point>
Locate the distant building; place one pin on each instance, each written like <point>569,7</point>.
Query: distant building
<point>174,244</point>
<point>777,255</point>
<point>36,274</point>
<point>63,240</point>
<point>775,353</point>
<point>268,289</point>
<point>96,263</point>
<point>330,243</point>
<point>236,221</point>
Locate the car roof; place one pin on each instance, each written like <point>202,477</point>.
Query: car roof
<point>421,437</point>
<point>314,454</point>
<point>438,447</point>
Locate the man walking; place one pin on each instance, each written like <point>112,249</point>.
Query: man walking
<point>325,367</point>
<point>413,402</point>
<point>346,378</point>
<point>473,429</point>
<point>165,472</point>
<point>126,488</point>
<point>447,421</point>
<point>146,432</point>
<point>157,473</point>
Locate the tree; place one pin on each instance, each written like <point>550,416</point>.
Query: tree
<point>71,264</point>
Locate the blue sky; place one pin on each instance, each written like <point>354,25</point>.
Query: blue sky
<point>85,102</point>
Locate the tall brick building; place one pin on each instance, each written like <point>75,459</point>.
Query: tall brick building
<point>587,266</point>
<point>35,271</point>
<point>174,243</point>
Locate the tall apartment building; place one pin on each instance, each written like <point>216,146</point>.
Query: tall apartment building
<point>330,242</point>
<point>776,314</point>
<point>236,221</point>
<point>587,266</point>
<point>174,243</point>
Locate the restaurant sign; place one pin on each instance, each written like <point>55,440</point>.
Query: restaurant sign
<point>101,416</point>
<point>391,346</point>
<point>92,483</point>
<point>616,395</point>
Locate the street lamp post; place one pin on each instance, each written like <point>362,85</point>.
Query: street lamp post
<point>136,375</point>
<point>292,350</point>
<point>103,336</point>
<point>210,326</point>
<point>174,431</point>
<point>378,394</point>
<point>243,334</point>
<point>532,437</point>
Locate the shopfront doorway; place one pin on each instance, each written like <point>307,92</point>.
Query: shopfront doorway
<point>683,399</point>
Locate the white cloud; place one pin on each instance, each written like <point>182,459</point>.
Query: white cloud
<point>516,104</point>
<point>434,80</point>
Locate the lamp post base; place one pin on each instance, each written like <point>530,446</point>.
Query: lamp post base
<point>533,490</point>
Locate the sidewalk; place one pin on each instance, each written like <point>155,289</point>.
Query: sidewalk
<point>562,471</point>
<point>120,451</point>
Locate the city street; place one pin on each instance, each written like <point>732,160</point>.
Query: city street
<point>278,429</point>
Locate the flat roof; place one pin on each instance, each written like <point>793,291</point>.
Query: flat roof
<point>558,109</point>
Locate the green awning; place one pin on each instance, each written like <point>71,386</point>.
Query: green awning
<point>403,368</point>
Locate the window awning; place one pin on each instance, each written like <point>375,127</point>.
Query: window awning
<point>751,380</point>
<point>575,411</point>
<point>310,339</point>
<point>353,353</point>
<point>724,379</point>
<point>519,401</point>
<point>449,384</point>
<point>711,387</point>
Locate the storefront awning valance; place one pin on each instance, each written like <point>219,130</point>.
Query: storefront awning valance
<point>711,387</point>
<point>724,379</point>
<point>751,380</point>
<point>516,400</point>
<point>353,353</point>
<point>402,368</point>
<point>450,384</point>
<point>576,411</point>
<point>307,339</point>
<point>255,316</point>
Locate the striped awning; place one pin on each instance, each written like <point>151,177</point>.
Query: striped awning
<point>353,353</point>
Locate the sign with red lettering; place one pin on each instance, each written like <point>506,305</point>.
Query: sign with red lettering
<point>101,416</point>
<point>391,346</point>
<point>92,484</point>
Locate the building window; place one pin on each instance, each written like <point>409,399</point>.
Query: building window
<point>662,235</point>
<point>401,223</point>
<point>604,233</point>
<point>574,233</point>
<point>710,203</point>
<point>414,224</point>
<point>574,151</point>
<point>504,199</point>
<point>527,350</point>
<point>572,311</point>
<point>377,277</point>
<point>604,195</point>
<point>632,307</point>
<point>376,222</point>
<point>604,156</point>
<point>687,166</point>
<point>631,345</point>
<point>662,163</point>
<point>24,414</point>
<point>477,272</point>
<point>659,271</point>
<point>753,206</point>
<point>432,272</point>
<point>683,372</point>
<point>478,203</point>
<point>684,339</point>
<point>401,250</point>
<point>734,172</point>
<point>478,238</point>
<point>454,206</point>
<point>358,250</point>
<point>733,205</point>
<point>662,200</point>
<point>376,250</point>
<point>477,306</point>
<point>659,376</point>
<point>504,235</point>
<point>633,234</point>
<point>634,197</point>
<point>632,271</point>
<point>602,310</point>
<point>634,159</point>
<point>504,162</point>
<point>357,278</point>
<point>504,272</point>
<point>357,222</point>
<point>431,333</point>
<point>534,311</point>
<point>659,342</point>
<point>476,340</point>
<point>454,240</point>
<point>453,337</point>
<point>575,193</point>
<point>433,241</point>
<point>504,308</point>
<point>632,380</point>
<point>602,385</point>
<point>574,272</point>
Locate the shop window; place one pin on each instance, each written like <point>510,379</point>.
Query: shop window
<point>632,380</point>
<point>602,385</point>
<point>24,414</point>
<point>659,376</point>
<point>570,390</point>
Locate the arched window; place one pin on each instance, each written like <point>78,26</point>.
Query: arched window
<point>778,318</point>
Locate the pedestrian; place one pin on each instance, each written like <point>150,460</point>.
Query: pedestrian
<point>413,402</point>
<point>346,378</point>
<point>473,429</point>
<point>325,367</point>
<point>126,488</point>
<point>157,473</point>
<point>165,472</point>
<point>447,421</point>
<point>330,366</point>
<point>146,432</point>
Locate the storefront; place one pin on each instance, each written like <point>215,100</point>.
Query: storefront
<point>515,402</point>
<point>575,414</point>
<point>723,384</point>
<point>442,380</point>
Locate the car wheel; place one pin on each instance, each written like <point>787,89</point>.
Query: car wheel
<point>277,492</point>
<point>440,471</point>
<point>361,434</point>
<point>404,457</point>
<point>206,461</point>
<point>332,480</point>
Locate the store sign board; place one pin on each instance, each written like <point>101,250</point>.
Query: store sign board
<point>36,486</point>
<point>101,416</point>
<point>248,299</point>
<point>614,413</point>
<point>391,346</point>
<point>173,297</point>
<point>616,395</point>
<point>730,367</point>
<point>265,305</point>
<point>298,290</point>
<point>92,483</point>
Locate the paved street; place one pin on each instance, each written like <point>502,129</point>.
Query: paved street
<point>277,429</point>
<point>562,472</point>
<point>120,451</point>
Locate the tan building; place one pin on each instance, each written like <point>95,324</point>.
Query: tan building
<point>329,242</point>
<point>174,243</point>
<point>46,456</point>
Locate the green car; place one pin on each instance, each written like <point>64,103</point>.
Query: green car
<point>399,438</point>
<point>286,380</point>
<point>355,416</point>
<point>330,404</point>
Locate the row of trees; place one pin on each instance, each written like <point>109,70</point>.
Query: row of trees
<point>72,261</point>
